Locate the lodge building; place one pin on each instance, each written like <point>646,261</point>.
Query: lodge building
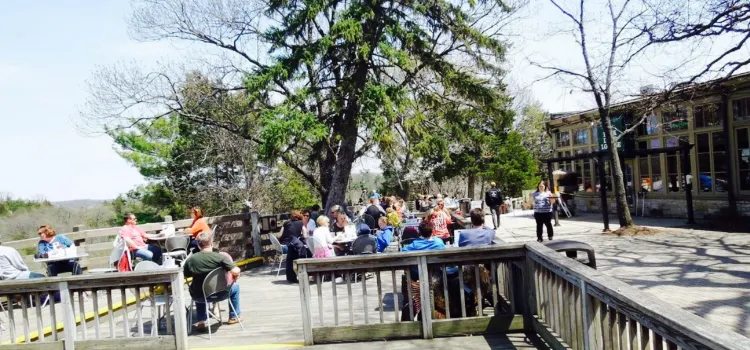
<point>713,117</point>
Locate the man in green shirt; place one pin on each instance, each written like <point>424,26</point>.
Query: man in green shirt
<point>198,266</point>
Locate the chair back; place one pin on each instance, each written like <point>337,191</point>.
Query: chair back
<point>116,254</point>
<point>275,243</point>
<point>177,243</point>
<point>370,221</point>
<point>366,244</point>
<point>311,243</point>
<point>146,266</point>
<point>215,282</point>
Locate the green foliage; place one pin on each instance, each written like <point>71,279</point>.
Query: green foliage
<point>24,222</point>
<point>150,203</point>
<point>534,137</point>
<point>9,205</point>
<point>512,166</point>
<point>290,192</point>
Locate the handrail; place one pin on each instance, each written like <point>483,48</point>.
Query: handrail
<point>567,303</point>
<point>668,323</point>
<point>80,300</point>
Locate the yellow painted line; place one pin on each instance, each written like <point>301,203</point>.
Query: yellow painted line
<point>47,331</point>
<point>255,347</point>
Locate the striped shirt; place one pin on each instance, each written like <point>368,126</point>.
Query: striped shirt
<point>541,202</point>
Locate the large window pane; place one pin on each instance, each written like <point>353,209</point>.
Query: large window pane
<point>563,139</point>
<point>581,137</point>
<point>718,145</point>
<point>702,142</point>
<point>652,125</point>
<point>741,109</point>
<point>655,143</point>
<point>657,184</point>
<point>743,157</point>
<point>675,119</point>
<point>721,182</point>
<point>707,116</point>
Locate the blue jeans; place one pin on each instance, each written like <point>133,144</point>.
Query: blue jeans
<point>234,297</point>
<point>54,268</point>
<point>151,252</point>
<point>284,249</point>
<point>35,275</point>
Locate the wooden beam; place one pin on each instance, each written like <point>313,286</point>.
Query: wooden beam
<point>161,342</point>
<point>477,325</point>
<point>368,332</point>
<point>552,339</point>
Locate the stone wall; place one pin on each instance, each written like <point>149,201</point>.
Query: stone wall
<point>667,207</point>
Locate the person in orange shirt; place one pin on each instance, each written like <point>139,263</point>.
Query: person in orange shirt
<point>199,225</point>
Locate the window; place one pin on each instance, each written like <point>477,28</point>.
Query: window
<point>656,183</point>
<point>650,126</point>
<point>674,164</point>
<point>706,116</point>
<point>712,167</point>
<point>581,137</point>
<point>642,145</point>
<point>675,119</point>
<point>645,174</point>
<point>595,138</point>
<point>655,143</point>
<point>743,157</point>
<point>741,109</point>
<point>563,139</point>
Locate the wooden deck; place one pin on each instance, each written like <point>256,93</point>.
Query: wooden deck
<point>273,319</point>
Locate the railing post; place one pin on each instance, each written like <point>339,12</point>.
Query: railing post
<point>178,305</point>
<point>424,295</point>
<point>591,321</point>
<point>255,233</point>
<point>529,291</point>
<point>69,318</point>
<point>304,296</point>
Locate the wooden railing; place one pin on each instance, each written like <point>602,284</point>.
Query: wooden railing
<point>95,311</point>
<point>582,308</point>
<point>235,234</point>
<point>531,288</point>
<point>447,279</point>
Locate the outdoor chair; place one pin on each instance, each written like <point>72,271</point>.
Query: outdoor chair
<point>177,247</point>
<point>216,289</point>
<point>279,252</point>
<point>366,244</point>
<point>159,300</point>
<point>369,221</point>
<point>114,258</point>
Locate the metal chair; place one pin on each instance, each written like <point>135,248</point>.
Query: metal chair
<point>366,244</point>
<point>279,252</point>
<point>159,299</point>
<point>215,287</point>
<point>177,246</point>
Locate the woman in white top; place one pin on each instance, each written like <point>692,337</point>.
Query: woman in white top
<point>323,238</point>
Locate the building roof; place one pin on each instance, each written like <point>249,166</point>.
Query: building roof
<point>708,85</point>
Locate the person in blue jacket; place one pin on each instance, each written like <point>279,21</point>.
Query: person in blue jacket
<point>385,236</point>
<point>50,240</point>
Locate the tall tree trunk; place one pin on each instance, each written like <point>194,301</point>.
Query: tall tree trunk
<point>623,210</point>
<point>343,167</point>
<point>470,187</point>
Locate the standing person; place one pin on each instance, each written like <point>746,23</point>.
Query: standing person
<point>494,199</point>
<point>543,202</point>
<point>135,239</point>
<point>375,194</point>
<point>291,228</point>
<point>48,239</point>
<point>198,266</point>
<point>198,225</point>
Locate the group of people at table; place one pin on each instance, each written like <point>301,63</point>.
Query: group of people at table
<point>202,260</point>
<point>309,234</point>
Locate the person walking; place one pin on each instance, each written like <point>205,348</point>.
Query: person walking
<point>494,198</point>
<point>543,202</point>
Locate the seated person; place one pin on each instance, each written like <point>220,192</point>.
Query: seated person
<point>425,241</point>
<point>198,266</point>
<point>48,240</point>
<point>293,227</point>
<point>198,225</point>
<point>385,236</point>
<point>393,217</point>
<point>12,266</point>
<point>323,239</point>
<point>478,234</point>
<point>135,239</point>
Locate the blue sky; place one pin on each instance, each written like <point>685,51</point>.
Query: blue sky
<point>48,49</point>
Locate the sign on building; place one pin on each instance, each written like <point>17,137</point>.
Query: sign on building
<point>618,125</point>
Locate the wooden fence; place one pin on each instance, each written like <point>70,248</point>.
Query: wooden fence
<point>89,309</point>
<point>522,288</point>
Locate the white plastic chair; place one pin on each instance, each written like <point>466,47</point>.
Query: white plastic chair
<point>279,250</point>
<point>114,258</point>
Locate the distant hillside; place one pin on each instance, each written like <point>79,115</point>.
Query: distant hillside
<point>79,203</point>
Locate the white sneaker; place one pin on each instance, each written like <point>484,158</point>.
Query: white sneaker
<point>339,280</point>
